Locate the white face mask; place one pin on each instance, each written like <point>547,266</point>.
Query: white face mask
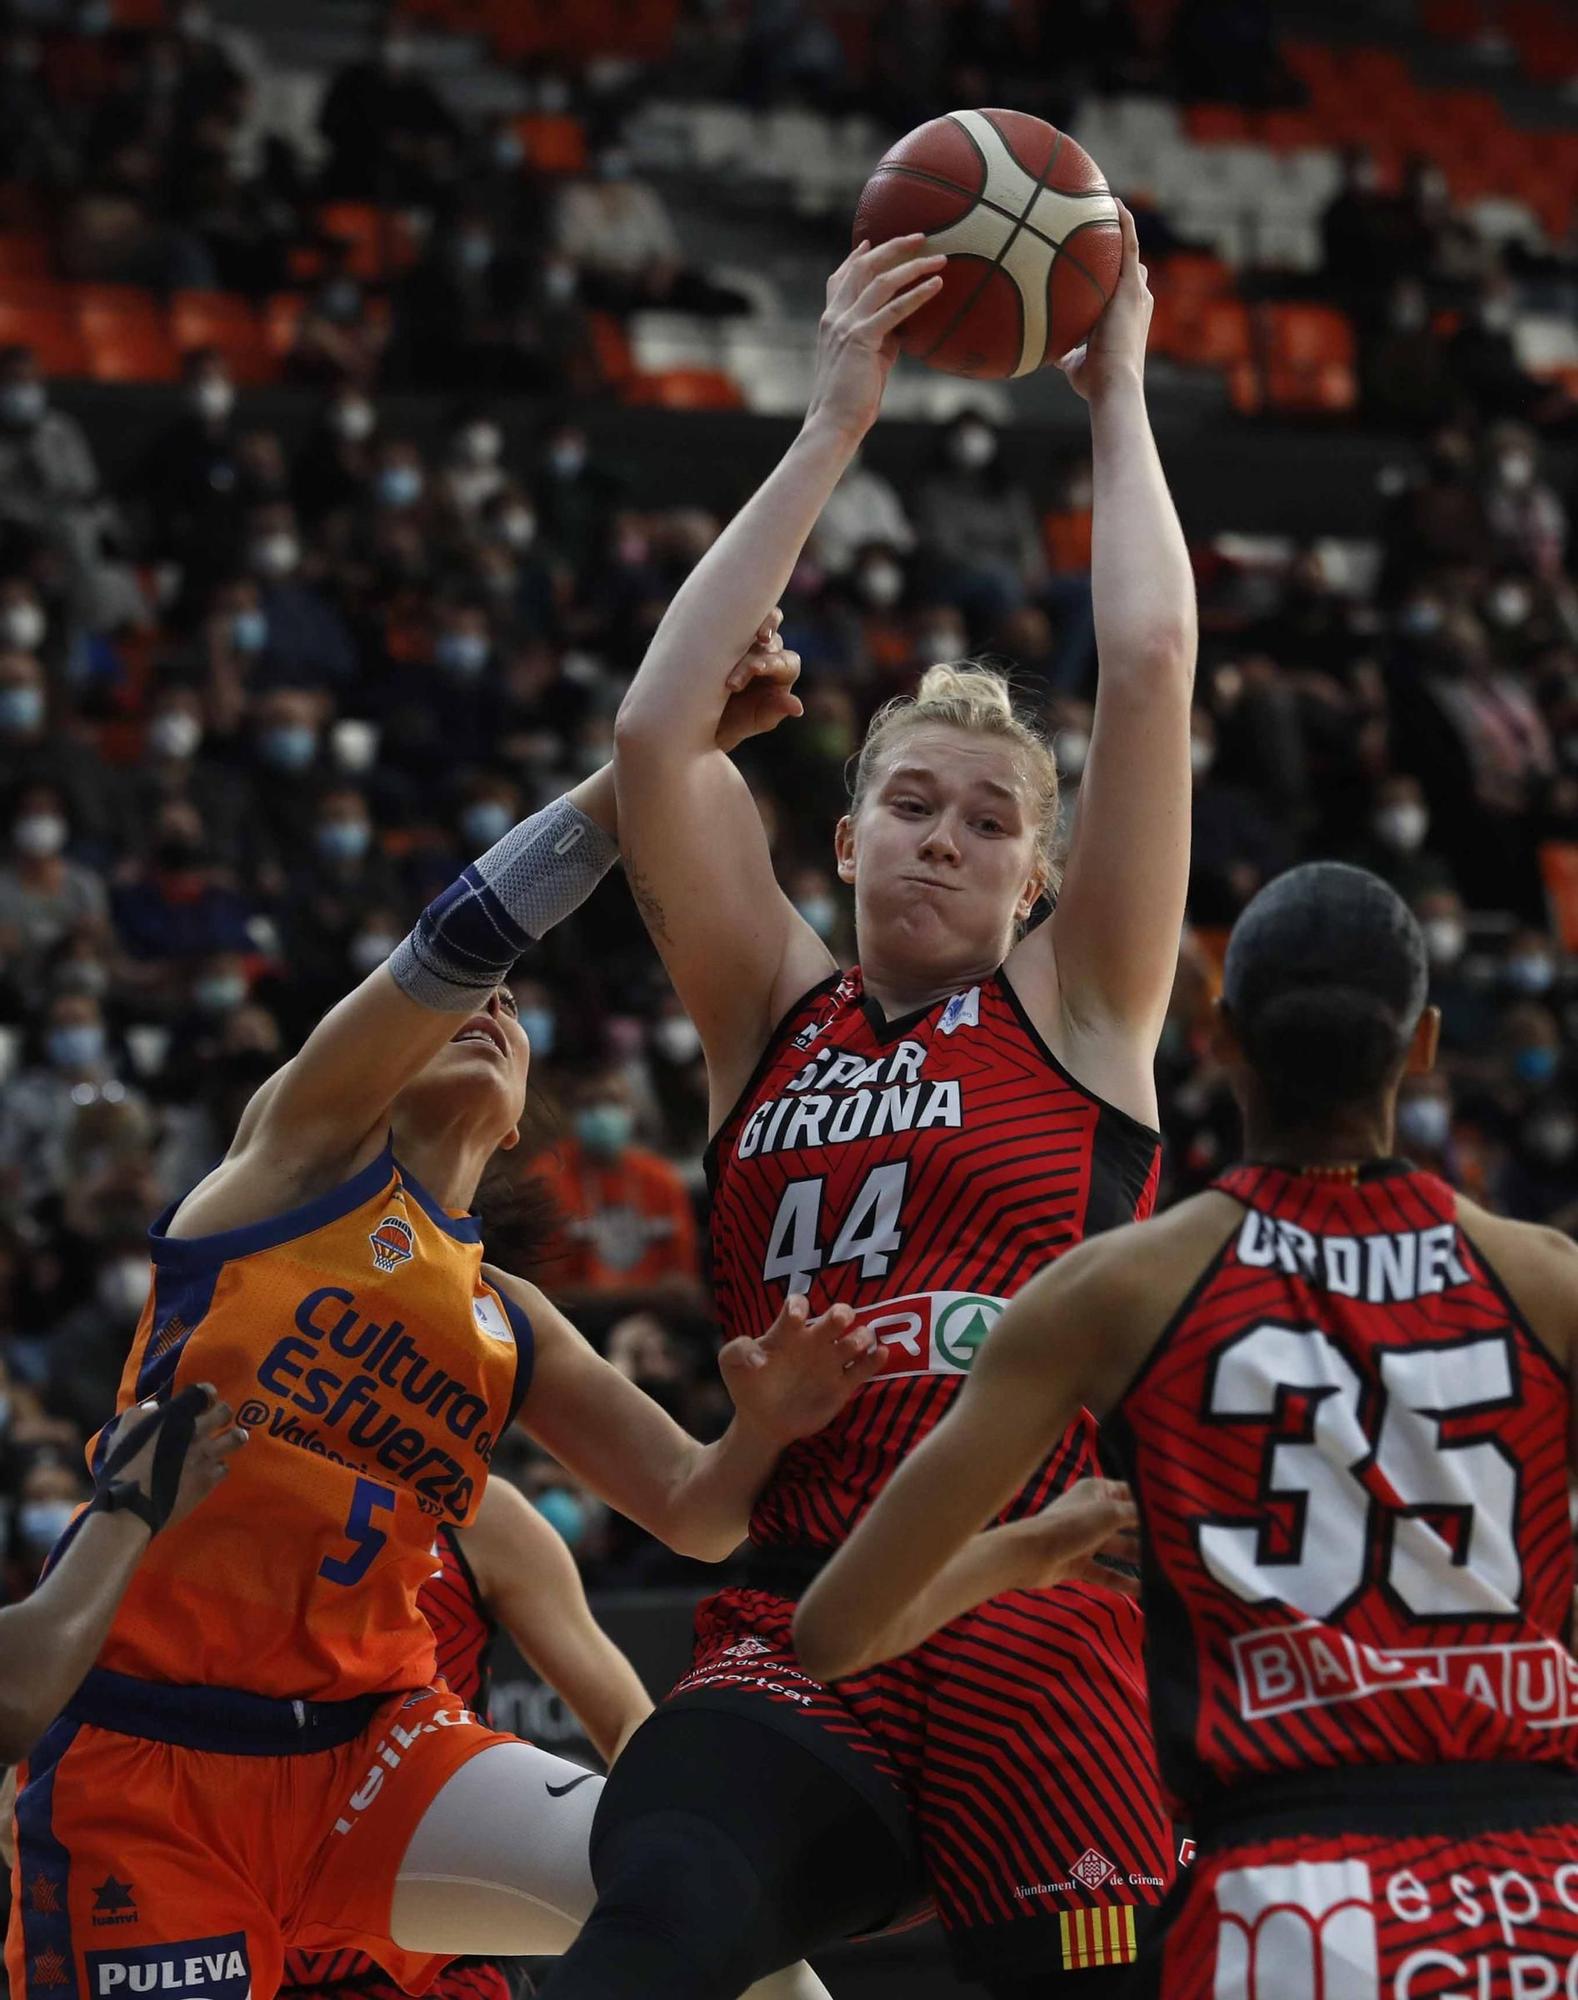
<point>1071,747</point>
<point>482,443</point>
<point>24,626</point>
<point>1444,939</point>
<point>518,528</point>
<point>39,835</point>
<point>213,399</point>
<point>276,554</point>
<point>1517,469</point>
<point>1202,755</point>
<point>123,1285</point>
<point>677,1038</point>
<point>352,421</point>
<point>370,950</point>
<point>882,584</point>
<point>974,447</point>
<point>174,733</point>
<point>1402,826</point>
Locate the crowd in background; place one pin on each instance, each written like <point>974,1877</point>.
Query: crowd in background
<point>257,705</point>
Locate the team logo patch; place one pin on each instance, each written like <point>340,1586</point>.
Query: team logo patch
<point>1308,1928</point>
<point>1098,1937</point>
<point>962,1011</point>
<point>113,1903</point>
<point>1092,1869</point>
<point>490,1317</point>
<point>48,1968</point>
<point>210,1968</point>
<point>746,1648</point>
<point>960,1329</point>
<point>807,1035</point>
<point>394,1243</point>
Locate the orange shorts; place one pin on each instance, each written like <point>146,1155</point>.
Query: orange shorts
<point>151,1866</point>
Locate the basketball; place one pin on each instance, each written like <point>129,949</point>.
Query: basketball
<point>1028,225</point>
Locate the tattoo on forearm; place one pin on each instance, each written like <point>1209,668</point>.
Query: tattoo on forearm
<point>646,897</point>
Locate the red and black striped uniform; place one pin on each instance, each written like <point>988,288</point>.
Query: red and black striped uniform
<point>464,1630</point>
<point>923,1169</point>
<point>1350,1454</point>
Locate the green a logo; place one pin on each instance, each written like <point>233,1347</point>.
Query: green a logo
<point>963,1325</point>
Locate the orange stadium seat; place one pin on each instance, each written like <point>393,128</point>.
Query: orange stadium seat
<point>226,321</point>
<point>25,253</point>
<point>1287,131</point>
<point>282,321</point>
<point>553,142</point>
<point>610,348</point>
<point>1216,333</point>
<point>1217,124</point>
<point>1195,274</point>
<point>380,238</point>
<point>686,389</point>
<point>139,14</point>
<point>50,330</point>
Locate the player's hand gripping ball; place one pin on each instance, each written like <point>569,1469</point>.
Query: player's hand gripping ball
<point>1028,225</point>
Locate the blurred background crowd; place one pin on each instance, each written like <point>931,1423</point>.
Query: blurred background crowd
<point>343,480</point>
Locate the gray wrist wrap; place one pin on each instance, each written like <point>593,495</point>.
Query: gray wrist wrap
<point>467,939</point>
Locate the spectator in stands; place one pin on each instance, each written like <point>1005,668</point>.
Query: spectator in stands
<point>1360,231</point>
<point>1524,512</point>
<point>173,909</point>
<point>1483,358</point>
<point>627,1219</point>
<point>73,1066</point>
<point>976,520</point>
<point>576,497</point>
<point>308,642</point>
<point>339,337</point>
<point>31,751</point>
<point>863,507</point>
<point>1404,380</point>
<point>1394,847</point>
<point>190,482</point>
<point>49,481</point>
<point>390,135</point>
<point>1435,520</point>
<point>44,895</point>
<point>619,235</point>
<point>335,467</point>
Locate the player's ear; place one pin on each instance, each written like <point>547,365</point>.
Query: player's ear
<point>844,847</point>
<point>511,1140</point>
<point>1424,1043</point>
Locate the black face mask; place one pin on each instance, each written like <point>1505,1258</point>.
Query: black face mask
<point>179,856</point>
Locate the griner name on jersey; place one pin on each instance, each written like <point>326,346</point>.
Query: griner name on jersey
<point>838,1098</point>
<point>1380,1269</point>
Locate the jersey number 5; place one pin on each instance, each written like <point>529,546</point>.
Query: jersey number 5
<point>870,1229</point>
<point>1444,1511</point>
<point>367,1499</point>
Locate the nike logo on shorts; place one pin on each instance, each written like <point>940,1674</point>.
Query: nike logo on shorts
<point>558,1791</point>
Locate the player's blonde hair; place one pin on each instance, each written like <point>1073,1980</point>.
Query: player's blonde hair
<point>974,697</point>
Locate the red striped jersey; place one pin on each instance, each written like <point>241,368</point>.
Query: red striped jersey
<point>464,1631</point>
<point>920,1169</point>
<point>1350,1456</point>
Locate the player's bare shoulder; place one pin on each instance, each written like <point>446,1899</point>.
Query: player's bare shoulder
<point>1126,1285</point>
<point>1536,1265</point>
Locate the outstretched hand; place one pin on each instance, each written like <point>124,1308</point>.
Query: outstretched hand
<point>1080,1536</point>
<point>869,297</point>
<point>215,1440</point>
<point>1115,348</point>
<point>798,1375</point>
<point>759,687</point>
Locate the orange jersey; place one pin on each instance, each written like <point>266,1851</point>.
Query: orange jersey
<point>357,1340</point>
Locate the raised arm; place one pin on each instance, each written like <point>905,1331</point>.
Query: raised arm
<point>529,1581</point>
<point>697,1498</point>
<point>1099,973</point>
<point>325,1114</point>
<point>694,851</point>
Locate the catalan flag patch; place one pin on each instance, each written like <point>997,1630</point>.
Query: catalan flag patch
<point>1098,1937</point>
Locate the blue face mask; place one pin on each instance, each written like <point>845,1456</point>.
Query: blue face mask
<point>399,485</point>
<point>249,630</point>
<point>219,993</point>
<point>484,821</point>
<point>289,746</point>
<point>541,1030</point>
<point>43,1522</point>
<point>343,839</point>
<point>564,1513</point>
<point>821,913</point>
<point>604,1129</point>
<point>21,708</point>
<point>78,1046</point>
<point>1536,1065</point>
<point>463,654</point>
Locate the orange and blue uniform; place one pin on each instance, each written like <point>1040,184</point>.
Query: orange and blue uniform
<point>247,1762</point>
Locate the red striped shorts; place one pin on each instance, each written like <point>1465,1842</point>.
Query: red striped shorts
<point>1020,1736</point>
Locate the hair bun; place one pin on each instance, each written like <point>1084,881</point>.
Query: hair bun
<point>977,686</point>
